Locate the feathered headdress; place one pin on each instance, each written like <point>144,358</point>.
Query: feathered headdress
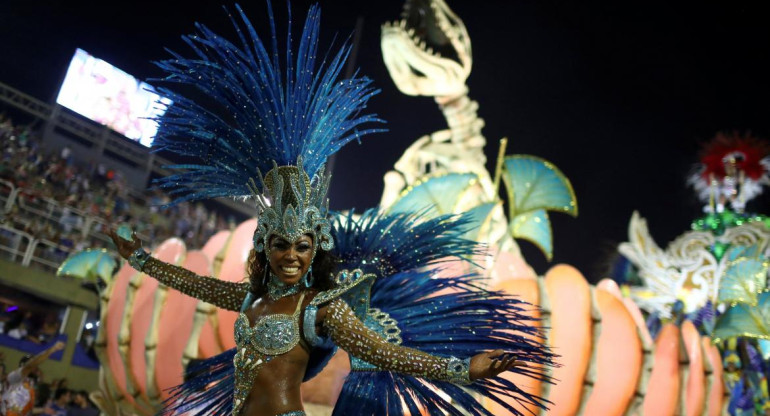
<point>733,170</point>
<point>260,117</point>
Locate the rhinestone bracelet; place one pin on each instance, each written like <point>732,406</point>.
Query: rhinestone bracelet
<point>458,371</point>
<point>138,258</point>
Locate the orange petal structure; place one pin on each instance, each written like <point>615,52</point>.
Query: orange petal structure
<point>527,290</point>
<point>509,266</point>
<point>716,392</point>
<point>639,319</point>
<point>175,327</point>
<point>570,336</point>
<point>234,270</point>
<point>140,317</point>
<point>696,382</point>
<point>609,286</point>
<point>619,358</point>
<point>208,343</point>
<point>112,328</point>
<point>663,390</point>
<point>216,244</point>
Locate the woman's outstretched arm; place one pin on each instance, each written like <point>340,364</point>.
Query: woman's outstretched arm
<point>350,334</point>
<point>220,293</point>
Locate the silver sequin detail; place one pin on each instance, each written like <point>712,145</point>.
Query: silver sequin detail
<point>277,289</point>
<point>356,339</point>
<point>292,204</point>
<point>308,327</point>
<point>273,334</point>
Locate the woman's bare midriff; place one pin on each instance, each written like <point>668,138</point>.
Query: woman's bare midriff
<point>277,387</point>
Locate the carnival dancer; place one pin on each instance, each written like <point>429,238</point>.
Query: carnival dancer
<point>302,300</point>
<point>18,398</point>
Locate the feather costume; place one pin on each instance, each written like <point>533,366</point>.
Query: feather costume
<point>406,251</point>
<point>284,122</point>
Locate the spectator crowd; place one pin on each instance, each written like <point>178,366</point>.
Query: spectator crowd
<point>79,190</point>
<point>56,204</point>
<point>35,326</point>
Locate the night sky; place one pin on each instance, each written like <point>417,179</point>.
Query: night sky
<point>619,96</point>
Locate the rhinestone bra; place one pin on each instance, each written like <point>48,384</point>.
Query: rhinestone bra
<point>272,335</point>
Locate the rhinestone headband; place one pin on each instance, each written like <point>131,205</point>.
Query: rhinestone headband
<point>292,205</point>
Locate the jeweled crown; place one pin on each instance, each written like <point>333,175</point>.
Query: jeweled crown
<point>291,205</point>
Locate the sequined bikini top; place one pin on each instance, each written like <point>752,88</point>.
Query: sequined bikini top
<point>277,334</point>
<point>274,334</point>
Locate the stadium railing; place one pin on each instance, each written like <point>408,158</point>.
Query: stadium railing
<point>16,244</point>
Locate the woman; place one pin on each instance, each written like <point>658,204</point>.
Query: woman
<point>286,122</point>
<point>269,375</point>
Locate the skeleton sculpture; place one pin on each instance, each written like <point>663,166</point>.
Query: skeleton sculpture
<point>428,53</point>
<point>418,69</point>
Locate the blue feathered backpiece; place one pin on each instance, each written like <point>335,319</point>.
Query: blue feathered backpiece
<point>446,316</point>
<point>388,243</point>
<point>261,108</point>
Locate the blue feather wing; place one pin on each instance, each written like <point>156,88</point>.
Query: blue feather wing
<point>407,250</point>
<point>474,320</point>
<point>388,244</point>
<point>207,390</point>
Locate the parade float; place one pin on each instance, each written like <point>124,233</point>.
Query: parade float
<point>711,282</point>
<point>678,331</point>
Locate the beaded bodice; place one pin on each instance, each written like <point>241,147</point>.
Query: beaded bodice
<point>272,335</point>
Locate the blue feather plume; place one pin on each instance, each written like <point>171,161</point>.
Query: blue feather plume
<point>624,272</point>
<point>406,251</point>
<point>704,318</point>
<point>474,320</point>
<point>258,111</point>
<point>207,390</point>
<point>387,244</point>
<point>741,399</point>
<point>654,324</point>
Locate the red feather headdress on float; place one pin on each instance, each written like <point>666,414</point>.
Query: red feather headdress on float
<point>733,169</point>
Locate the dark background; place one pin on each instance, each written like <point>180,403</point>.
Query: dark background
<point>619,96</point>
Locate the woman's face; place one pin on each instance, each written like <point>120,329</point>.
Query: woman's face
<point>290,261</point>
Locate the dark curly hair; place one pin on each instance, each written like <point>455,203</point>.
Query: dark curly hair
<point>324,266</point>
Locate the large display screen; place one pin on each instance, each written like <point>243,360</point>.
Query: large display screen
<point>105,94</point>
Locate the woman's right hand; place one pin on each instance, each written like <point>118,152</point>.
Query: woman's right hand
<point>125,247</point>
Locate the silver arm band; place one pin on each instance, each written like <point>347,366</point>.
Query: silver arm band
<point>308,327</point>
<point>138,258</point>
<point>458,371</point>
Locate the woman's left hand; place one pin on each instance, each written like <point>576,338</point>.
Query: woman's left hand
<point>490,364</point>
